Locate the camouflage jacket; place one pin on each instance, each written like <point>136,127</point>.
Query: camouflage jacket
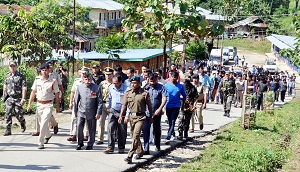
<point>14,84</point>
<point>228,86</point>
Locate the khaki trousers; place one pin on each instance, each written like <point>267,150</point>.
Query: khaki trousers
<point>136,126</point>
<point>101,123</point>
<point>198,113</point>
<point>44,112</point>
<point>37,124</point>
<point>239,98</point>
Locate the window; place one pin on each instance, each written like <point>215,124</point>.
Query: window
<point>100,16</point>
<point>119,14</point>
<point>112,15</point>
<point>104,16</point>
<point>115,15</point>
<point>108,16</point>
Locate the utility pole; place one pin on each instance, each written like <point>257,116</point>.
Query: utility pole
<point>73,47</point>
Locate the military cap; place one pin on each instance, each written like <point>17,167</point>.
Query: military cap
<point>13,63</point>
<point>84,69</point>
<point>86,75</point>
<point>108,71</point>
<point>38,70</point>
<point>96,66</point>
<point>44,66</point>
<point>50,62</point>
<point>135,78</point>
<point>195,76</point>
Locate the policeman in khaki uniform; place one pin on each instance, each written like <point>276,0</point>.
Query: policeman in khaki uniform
<point>45,90</point>
<point>136,100</point>
<point>227,85</point>
<point>14,94</point>
<point>200,102</point>
<point>104,87</point>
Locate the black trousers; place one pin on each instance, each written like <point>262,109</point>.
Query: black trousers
<point>91,127</point>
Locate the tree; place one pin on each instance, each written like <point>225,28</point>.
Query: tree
<point>197,50</point>
<point>161,22</point>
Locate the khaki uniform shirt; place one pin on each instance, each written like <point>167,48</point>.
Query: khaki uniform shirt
<point>77,81</point>
<point>104,85</point>
<point>201,89</point>
<point>136,102</point>
<point>45,89</point>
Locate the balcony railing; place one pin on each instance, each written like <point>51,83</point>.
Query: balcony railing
<point>110,23</point>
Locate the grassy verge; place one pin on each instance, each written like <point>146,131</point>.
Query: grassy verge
<point>248,44</point>
<point>263,148</point>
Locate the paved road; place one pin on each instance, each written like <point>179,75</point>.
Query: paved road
<point>19,152</point>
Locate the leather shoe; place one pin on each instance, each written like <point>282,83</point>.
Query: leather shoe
<point>85,138</point>
<point>121,151</point>
<point>72,138</point>
<point>55,129</point>
<point>108,151</point>
<point>79,147</point>
<point>7,133</point>
<point>23,127</point>
<point>41,147</point>
<point>89,148</point>
<point>201,126</point>
<point>128,160</point>
<point>138,156</point>
<point>99,143</point>
<point>47,140</point>
<point>35,134</point>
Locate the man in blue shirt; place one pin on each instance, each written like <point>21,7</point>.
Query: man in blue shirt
<point>158,97</point>
<point>116,93</point>
<point>205,80</point>
<point>174,90</point>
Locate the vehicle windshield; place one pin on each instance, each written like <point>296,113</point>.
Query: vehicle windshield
<point>230,50</point>
<point>270,63</point>
<point>215,58</point>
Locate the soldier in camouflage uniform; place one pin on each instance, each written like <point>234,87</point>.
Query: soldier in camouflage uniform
<point>63,73</point>
<point>14,94</point>
<point>187,108</point>
<point>227,85</point>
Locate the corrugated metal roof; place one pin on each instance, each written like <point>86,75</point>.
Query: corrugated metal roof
<point>127,55</point>
<point>208,14</point>
<point>282,41</point>
<point>243,22</point>
<point>102,4</point>
<point>4,10</point>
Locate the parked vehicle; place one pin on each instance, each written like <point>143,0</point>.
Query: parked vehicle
<point>232,52</point>
<point>270,65</point>
<point>215,58</point>
<point>225,55</point>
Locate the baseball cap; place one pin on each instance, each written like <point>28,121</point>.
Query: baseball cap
<point>50,62</point>
<point>13,63</point>
<point>44,66</point>
<point>84,69</point>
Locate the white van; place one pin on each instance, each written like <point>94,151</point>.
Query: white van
<point>225,55</point>
<point>232,52</point>
<point>215,57</point>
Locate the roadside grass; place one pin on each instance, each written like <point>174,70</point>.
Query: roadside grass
<point>248,44</point>
<point>265,147</point>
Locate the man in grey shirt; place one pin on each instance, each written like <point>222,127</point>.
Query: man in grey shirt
<point>87,106</point>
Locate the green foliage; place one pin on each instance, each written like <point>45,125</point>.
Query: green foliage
<point>114,41</point>
<point>265,147</point>
<point>197,50</point>
<point>141,44</point>
<point>249,44</point>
